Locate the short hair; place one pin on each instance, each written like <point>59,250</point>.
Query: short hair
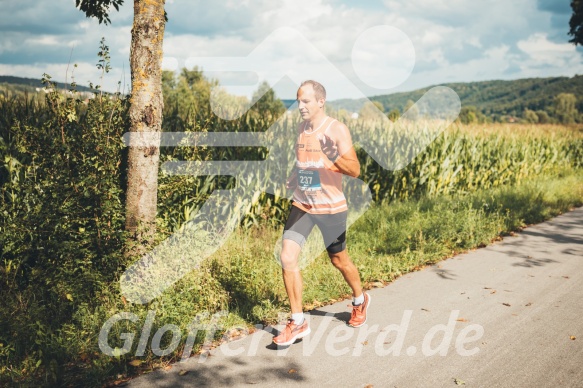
<point>319,89</point>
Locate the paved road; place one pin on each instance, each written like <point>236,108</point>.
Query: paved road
<point>508,315</point>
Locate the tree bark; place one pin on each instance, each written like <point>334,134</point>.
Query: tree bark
<point>145,115</point>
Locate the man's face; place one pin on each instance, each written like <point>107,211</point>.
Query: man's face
<point>308,104</point>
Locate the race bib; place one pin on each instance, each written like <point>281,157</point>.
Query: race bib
<point>309,180</point>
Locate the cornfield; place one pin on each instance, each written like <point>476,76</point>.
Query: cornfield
<point>461,159</point>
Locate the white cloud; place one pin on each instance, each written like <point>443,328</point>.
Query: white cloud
<point>293,12</point>
<point>383,57</point>
<point>490,66</point>
<point>458,40</point>
<point>544,56</point>
<point>43,40</point>
<point>543,51</point>
<point>454,40</point>
<point>185,46</point>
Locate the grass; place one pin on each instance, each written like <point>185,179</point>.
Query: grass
<point>390,240</point>
<point>244,279</point>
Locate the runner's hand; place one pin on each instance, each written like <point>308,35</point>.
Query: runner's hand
<point>328,146</point>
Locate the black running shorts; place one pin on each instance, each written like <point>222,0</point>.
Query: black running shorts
<point>299,224</point>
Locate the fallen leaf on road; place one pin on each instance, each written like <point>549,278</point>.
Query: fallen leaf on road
<point>493,292</point>
<point>182,372</point>
<point>368,386</point>
<point>291,371</point>
<point>424,309</point>
<point>365,343</point>
<point>506,304</point>
<point>168,367</point>
<point>528,304</point>
<point>566,277</point>
<point>487,288</point>
<point>461,320</point>
<point>573,337</point>
<point>458,381</point>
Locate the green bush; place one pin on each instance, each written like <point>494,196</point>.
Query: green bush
<point>61,230</point>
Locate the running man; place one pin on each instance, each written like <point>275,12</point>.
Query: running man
<point>324,153</point>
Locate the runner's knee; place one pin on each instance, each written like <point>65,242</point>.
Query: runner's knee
<point>289,258</point>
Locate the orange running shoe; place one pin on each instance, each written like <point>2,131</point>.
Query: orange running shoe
<point>358,316</point>
<point>292,332</point>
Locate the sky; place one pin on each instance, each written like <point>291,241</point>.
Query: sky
<point>355,48</point>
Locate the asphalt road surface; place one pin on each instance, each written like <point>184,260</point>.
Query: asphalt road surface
<point>508,315</point>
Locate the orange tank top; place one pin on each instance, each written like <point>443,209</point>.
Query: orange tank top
<point>319,189</point>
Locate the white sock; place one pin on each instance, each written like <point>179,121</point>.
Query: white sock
<point>358,300</point>
<point>298,318</point>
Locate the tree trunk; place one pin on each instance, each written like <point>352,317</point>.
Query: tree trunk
<point>145,116</point>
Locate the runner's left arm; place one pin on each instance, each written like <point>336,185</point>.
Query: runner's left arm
<point>338,147</point>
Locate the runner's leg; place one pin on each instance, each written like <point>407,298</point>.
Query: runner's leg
<point>333,227</point>
<point>297,229</point>
<point>342,262</point>
<point>335,239</point>
<point>292,277</point>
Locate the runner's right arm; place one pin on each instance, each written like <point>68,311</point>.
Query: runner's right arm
<point>292,180</point>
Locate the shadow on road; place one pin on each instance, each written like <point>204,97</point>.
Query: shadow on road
<point>530,262</point>
<point>200,375</point>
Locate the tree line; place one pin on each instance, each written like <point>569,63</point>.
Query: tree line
<point>533,100</point>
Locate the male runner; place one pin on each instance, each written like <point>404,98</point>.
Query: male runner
<point>324,153</point>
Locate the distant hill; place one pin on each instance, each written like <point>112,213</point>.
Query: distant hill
<point>31,84</point>
<point>493,98</point>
